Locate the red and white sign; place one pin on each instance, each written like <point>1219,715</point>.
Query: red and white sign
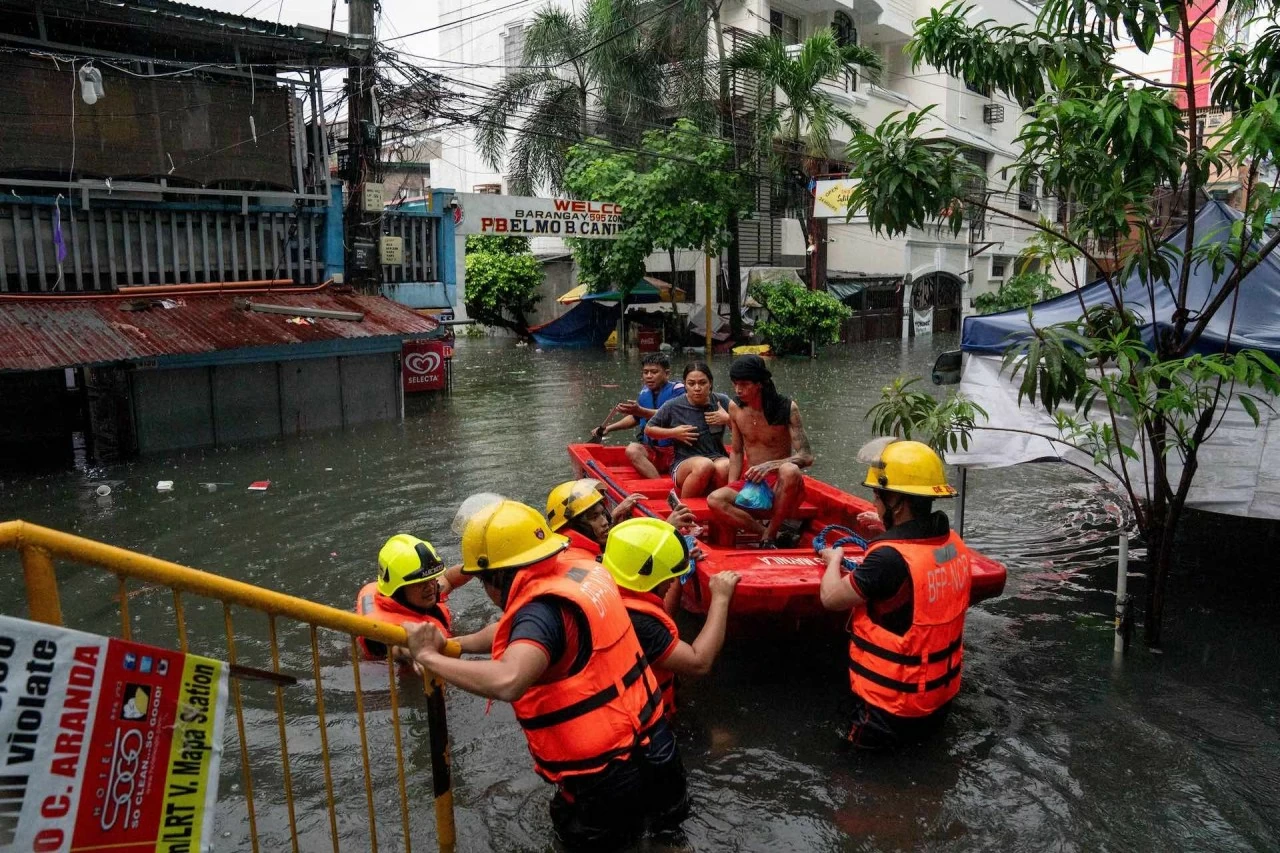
<point>523,216</point>
<point>110,745</point>
<point>424,365</point>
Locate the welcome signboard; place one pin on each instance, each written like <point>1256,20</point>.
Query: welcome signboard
<point>523,216</point>
<point>110,745</point>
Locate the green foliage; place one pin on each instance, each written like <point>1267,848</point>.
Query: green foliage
<point>1108,144</point>
<point>795,134</point>
<point>1018,292</point>
<point>677,191</point>
<point>499,245</point>
<point>907,180</point>
<point>806,114</point>
<point>503,281</point>
<point>904,412</point>
<point>587,73</point>
<point>798,317</point>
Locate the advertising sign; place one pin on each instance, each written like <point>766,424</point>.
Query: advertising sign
<point>522,216</point>
<point>831,199</point>
<point>111,745</point>
<point>424,365</point>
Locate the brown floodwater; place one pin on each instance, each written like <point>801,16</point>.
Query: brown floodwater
<point>1049,748</point>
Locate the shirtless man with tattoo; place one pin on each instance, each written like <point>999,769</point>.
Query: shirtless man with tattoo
<point>769,447</point>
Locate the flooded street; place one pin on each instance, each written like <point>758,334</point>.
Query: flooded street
<point>1049,747</point>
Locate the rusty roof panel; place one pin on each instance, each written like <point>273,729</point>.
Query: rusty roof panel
<point>42,333</point>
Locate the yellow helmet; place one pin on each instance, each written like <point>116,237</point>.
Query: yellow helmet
<point>569,500</point>
<point>643,552</point>
<point>406,560</point>
<point>507,535</point>
<point>909,468</point>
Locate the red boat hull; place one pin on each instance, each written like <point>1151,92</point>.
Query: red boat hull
<point>781,582</point>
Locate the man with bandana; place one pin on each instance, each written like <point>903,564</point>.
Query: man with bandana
<point>770,447</point>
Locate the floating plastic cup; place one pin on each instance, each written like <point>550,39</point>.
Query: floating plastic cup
<point>102,491</point>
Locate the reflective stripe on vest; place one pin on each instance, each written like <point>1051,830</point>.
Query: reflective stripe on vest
<point>372,604</point>
<point>579,723</point>
<point>917,673</point>
<point>651,605</point>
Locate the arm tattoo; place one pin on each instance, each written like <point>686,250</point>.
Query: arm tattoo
<point>801,453</point>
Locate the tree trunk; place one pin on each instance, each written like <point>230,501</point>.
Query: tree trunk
<point>733,256</point>
<point>1160,559</point>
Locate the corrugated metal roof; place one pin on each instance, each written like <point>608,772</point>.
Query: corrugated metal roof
<point>41,333</point>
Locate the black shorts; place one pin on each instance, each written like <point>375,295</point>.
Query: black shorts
<point>875,729</point>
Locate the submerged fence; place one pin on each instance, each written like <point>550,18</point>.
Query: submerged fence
<point>279,790</point>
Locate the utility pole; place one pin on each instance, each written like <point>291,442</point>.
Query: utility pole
<point>363,214</point>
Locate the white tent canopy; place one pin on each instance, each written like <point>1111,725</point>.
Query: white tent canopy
<point>1239,468</point>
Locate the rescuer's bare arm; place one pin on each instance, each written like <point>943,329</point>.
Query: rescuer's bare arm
<point>505,679</point>
<point>837,592</point>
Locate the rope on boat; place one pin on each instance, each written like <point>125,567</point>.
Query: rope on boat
<point>849,538</point>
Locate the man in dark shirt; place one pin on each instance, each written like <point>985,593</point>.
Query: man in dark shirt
<point>917,551</point>
<point>603,756</point>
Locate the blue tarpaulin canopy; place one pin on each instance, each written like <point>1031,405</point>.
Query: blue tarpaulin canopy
<point>1239,466</point>
<point>1256,318</point>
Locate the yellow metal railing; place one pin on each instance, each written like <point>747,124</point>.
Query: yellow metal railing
<point>38,546</point>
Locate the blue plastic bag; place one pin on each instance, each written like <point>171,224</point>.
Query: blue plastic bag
<point>755,496</point>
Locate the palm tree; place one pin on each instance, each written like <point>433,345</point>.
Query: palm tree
<point>797,130</point>
<point>583,75</point>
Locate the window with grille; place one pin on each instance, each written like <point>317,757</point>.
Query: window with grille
<point>1028,188</point>
<point>513,47</point>
<point>785,27</point>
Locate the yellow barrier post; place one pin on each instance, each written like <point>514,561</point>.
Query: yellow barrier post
<point>39,545</point>
<point>43,602</point>
<point>441,760</point>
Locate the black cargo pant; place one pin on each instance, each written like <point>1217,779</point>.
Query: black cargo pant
<point>609,809</point>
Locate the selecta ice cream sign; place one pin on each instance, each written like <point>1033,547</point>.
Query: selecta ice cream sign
<point>424,365</point>
<point>523,216</point>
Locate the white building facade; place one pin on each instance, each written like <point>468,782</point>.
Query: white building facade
<point>475,49</point>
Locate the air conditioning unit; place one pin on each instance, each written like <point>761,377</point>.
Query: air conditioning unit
<point>993,113</point>
<point>1215,119</point>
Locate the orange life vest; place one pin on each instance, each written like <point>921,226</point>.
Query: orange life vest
<point>589,547</point>
<point>578,724</point>
<point>372,604</point>
<point>651,605</point>
<point>917,673</point>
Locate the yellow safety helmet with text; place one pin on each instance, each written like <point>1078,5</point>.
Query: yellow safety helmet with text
<point>406,560</point>
<point>643,552</point>
<point>909,468</point>
<point>507,534</point>
<point>569,500</point>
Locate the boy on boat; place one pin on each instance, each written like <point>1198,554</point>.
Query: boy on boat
<point>576,510</point>
<point>565,656</point>
<point>650,457</point>
<point>647,557</point>
<point>770,443</point>
<point>408,589</point>
<point>909,597</point>
<point>696,423</point>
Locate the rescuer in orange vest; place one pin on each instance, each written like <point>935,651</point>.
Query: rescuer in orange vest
<point>909,597</point>
<point>646,556</point>
<point>576,510</point>
<point>565,656</point>
<point>410,587</point>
